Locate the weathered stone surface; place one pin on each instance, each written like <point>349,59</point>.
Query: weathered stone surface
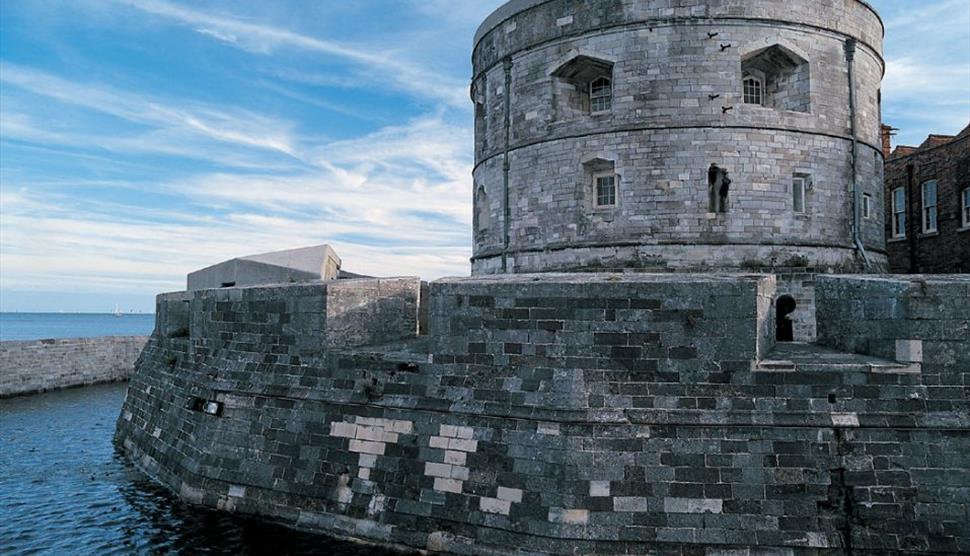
<point>28,367</point>
<point>595,414</point>
<point>677,107</point>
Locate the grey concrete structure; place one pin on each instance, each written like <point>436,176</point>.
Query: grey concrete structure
<point>319,262</point>
<point>33,366</point>
<point>575,414</point>
<point>676,106</point>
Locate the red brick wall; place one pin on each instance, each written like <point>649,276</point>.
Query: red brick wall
<point>947,251</point>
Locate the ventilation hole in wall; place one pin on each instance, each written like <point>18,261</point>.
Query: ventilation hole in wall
<point>408,367</point>
<point>831,398</point>
<point>718,189</point>
<point>228,284</point>
<point>784,307</point>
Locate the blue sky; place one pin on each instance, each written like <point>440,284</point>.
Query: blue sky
<point>142,139</point>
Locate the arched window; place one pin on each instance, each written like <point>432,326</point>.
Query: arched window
<point>754,91</point>
<point>600,95</point>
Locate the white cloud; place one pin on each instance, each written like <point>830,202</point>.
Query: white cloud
<point>241,127</point>
<point>264,39</point>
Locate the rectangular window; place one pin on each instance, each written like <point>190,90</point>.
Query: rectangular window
<point>605,190</point>
<point>899,212</point>
<point>798,186</point>
<point>929,207</point>
<point>753,91</point>
<point>866,206</point>
<point>966,208</point>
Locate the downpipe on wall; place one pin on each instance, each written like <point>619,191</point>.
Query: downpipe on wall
<point>507,211</point>
<point>850,48</point>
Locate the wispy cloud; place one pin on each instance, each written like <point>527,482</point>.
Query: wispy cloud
<point>264,39</point>
<point>241,127</point>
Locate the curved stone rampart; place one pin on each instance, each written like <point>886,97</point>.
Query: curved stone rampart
<point>677,107</point>
<point>592,414</point>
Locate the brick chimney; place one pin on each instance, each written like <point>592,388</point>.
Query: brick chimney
<point>887,132</point>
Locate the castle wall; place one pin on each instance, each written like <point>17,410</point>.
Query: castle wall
<point>924,320</point>
<point>28,367</point>
<point>677,108</point>
<point>594,414</point>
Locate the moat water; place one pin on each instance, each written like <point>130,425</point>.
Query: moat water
<point>64,489</point>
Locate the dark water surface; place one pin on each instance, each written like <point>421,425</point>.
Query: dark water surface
<point>37,326</point>
<point>65,490</point>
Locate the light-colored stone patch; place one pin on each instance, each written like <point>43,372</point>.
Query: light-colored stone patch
<point>599,488</point>
<point>369,437</point>
<point>510,494</point>
<point>568,516</point>
<point>457,442</point>
<point>455,458</point>
<point>237,491</point>
<point>548,428</point>
<point>563,21</point>
<point>845,420</point>
<point>494,505</point>
<point>693,505</point>
<point>447,485</point>
<point>909,351</point>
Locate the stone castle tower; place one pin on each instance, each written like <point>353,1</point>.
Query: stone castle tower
<point>678,136</point>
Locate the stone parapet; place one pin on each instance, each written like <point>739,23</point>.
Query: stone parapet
<point>32,366</point>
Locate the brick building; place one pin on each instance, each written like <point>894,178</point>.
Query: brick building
<point>927,205</point>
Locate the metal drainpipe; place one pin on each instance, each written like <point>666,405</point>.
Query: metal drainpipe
<point>507,65</point>
<point>850,47</point>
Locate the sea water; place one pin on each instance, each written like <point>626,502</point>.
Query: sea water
<point>37,326</point>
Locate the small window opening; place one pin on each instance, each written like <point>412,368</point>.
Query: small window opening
<point>899,212</point>
<point>800,184</point>
<point>605,194</point>
<point>482,210</point>
<point>228,284</point>
<point>719,187</point>
<point>966,208</point>
<point>784,307</point>
<point>754,90</point>
<point>930,213</point>
<point>867,206</point>
<point>601,95</point>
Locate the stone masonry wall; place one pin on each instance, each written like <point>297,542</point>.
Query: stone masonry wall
<point>589,414</point>
<point>676,109</point>
<point>28,367</point>
<point>923,320</point>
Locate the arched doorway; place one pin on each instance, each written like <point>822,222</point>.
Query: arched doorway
<point>784,308</point>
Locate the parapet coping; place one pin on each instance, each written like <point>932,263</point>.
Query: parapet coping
<point>604,278</point>
<point>901,278</point>
<point>299,284</point>
<point>514,7</point>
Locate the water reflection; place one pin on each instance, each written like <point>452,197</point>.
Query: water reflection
<point>65,490</point>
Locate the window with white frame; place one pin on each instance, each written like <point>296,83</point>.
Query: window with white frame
<point>866,206</point>
<point>604,190</point>
<point>966,207</point>
<point>754,90</point>
<point>798,187</point>
<point>899,212</point>
<point>930,212</point>
<point>600,95</point>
